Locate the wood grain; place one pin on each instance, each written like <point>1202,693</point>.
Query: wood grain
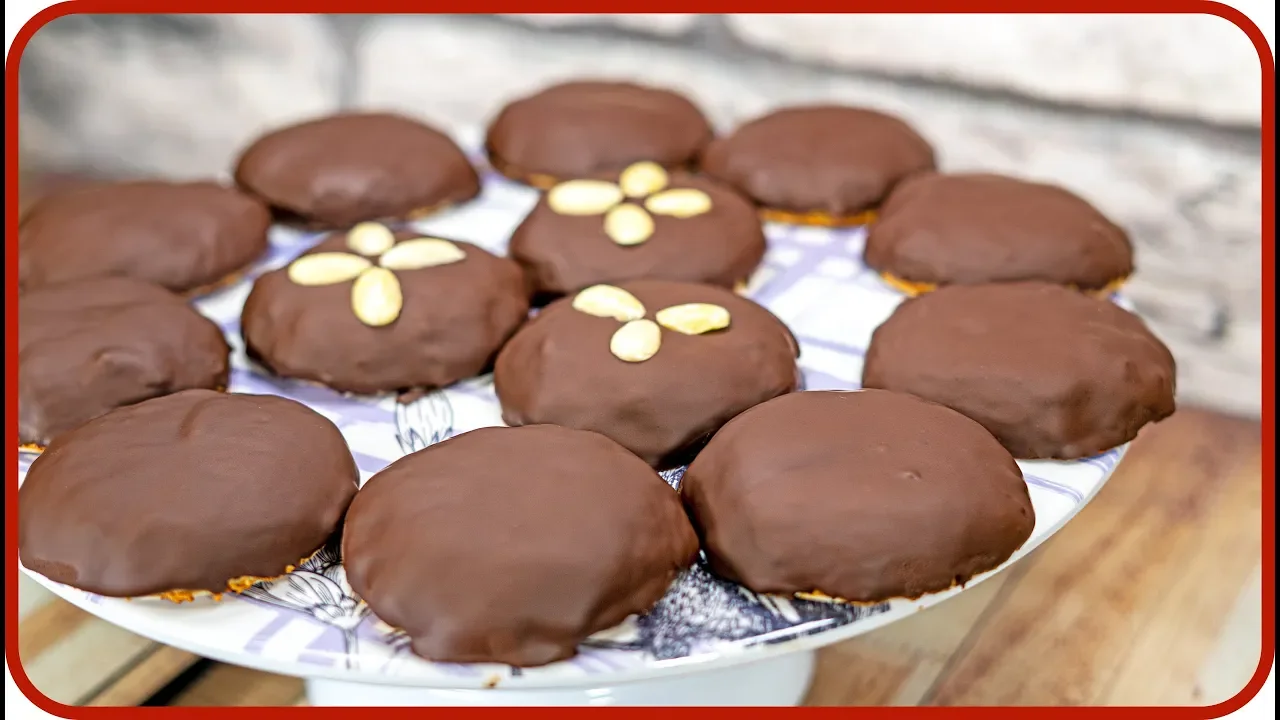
<point>145,679</point>
<point>1164,661</point>
<point>228,685</point>
<point>84,659</point>
<point>898,664</point>
<point>44,626</point>
<point>1235,654</point>
<point>32,596</point>
<point>1124,602</point>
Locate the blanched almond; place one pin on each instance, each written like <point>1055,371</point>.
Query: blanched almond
<point>636,341</point>
<point>327,268</point>
<point>693,318</point>
<point>610,302</point>
<point>679,203</point>
<point>583,197</point>
<point>421,253</point>
<point>642,178</point>
<point>376,297</point>
<point>628,224</point>
<point>370,238</point>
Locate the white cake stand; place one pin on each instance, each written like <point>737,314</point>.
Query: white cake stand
<point>707,642</point>
<point>369,666</point>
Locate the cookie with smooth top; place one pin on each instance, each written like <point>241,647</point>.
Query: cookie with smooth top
<point>198,492</point>
<point>513,545</point>
<point>641,223</point>
<point>370,310</point>
<point>819,165</point>
<point>1051,372</point>
<point>657,366</point>
<point>968,229</point>
<point>188,237</point>
<point>584,128</point>
<point>855,496</point>
<point>335,171</point>
<point>89,347</point>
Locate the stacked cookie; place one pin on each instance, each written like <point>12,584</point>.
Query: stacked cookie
<point>641,353</point>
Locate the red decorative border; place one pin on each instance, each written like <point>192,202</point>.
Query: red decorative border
<point>897,6</point>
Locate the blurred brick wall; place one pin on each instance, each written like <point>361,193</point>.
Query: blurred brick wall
<point>1154,118</point>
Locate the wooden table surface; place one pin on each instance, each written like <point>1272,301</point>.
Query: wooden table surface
<point>1151,595</point>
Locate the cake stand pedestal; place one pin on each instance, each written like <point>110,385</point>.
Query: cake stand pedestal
<point>778,681</point>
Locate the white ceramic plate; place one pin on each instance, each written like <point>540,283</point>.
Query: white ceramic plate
<point>310,624</point>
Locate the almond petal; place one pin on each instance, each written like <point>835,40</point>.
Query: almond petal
<point>609,302</point>
<point>680,203</point>
<point>642,178</point>
<point>370,238</point>
<point>376,298</point>
<point>636,341</point>
<point>327,268</point>
<point>583,197</point>
<point>693,318</point>
<point>421,253</point>
<point>628,224</point>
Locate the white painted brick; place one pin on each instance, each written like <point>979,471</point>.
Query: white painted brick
<point>122,95</point>
<point>670,24</point>
<point>1192,202</point>
<point>1213,376</point>
<point>1194,65</point>
<point>486,66</point>
<point>177,97</point>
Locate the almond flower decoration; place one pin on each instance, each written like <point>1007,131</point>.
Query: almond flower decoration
<point>627,222</point>
<point>376,298</point>
<point>639,338</point>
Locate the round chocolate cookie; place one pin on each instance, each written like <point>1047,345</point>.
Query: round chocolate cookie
<point>860,496</point>
<point>819,165</point>
<point>643,223</point>
<point>195,492</point>
<point>336,171</point>
<point>970,229</point>
<point>370,310</point>
<point>87,348</point>
<point>579,129</point>
<point>658,366</point>
<point>1051,372</point>
<point>513,545</point>
<point>187,237</point>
